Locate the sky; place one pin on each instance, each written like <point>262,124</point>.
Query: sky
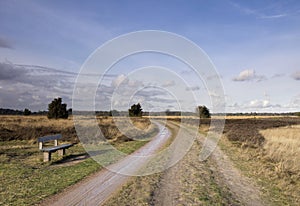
<point>253,45</point>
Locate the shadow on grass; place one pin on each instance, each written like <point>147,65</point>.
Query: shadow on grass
<point>75,158</point>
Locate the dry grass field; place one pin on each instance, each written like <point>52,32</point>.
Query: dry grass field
<point>267,150</point>
<point>282,146</point>
<point>255,117</point>
<point>32,127</point>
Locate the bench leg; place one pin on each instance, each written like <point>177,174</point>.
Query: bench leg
<point>47,156</point>
<point>61,152</point>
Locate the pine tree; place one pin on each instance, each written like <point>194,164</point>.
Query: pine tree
<point>26,112</point>
<point>135,110</point>
<point>203,112</point>
<point>57,110</point>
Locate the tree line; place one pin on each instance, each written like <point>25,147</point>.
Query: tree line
<point>57,109</point>
<point>20,112</point>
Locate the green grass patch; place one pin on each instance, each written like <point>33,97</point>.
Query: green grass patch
<point>26,179</point>
<point>130,146</point>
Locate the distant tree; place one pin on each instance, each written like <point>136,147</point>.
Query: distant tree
<point>114,113</point>
<point>70,111</point>
<point>168,112</point>
<point>203,112</point>
<point>10,112</point>
<point>135,110</point>
<point>57,110</point>
<point>297,114</point>
<point>26,112</point>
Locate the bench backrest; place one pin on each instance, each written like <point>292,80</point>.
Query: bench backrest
<point>48,138</point>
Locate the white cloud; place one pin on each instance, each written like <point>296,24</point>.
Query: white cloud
<point>296,75</point>
<point>168,83</point>
<point>276,16</point>
<point>248,75</point>
<point>36,97</point>
<point>195,88</point>
<point>33,87</point>
<point>259,104</point>
<point>245,75</point>
<point>5,43</point>
<point>295,102</point>
<point>278,75</point>
<point>118,80</point>
<point>258,12</point>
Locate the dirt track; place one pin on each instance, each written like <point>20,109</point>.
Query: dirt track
<point>242,188</point>
<point>179,185</point>
<point>190,182</point>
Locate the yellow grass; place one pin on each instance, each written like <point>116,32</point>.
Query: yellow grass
<point>221,117</point>
<point>29,121</point>
<point>283,147</point>
<point>171,117</point>
<point>252,117</point>
<point>114,129</point>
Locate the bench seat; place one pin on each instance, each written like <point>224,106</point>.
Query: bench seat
<point>54,149</point>
<point>49,150</point>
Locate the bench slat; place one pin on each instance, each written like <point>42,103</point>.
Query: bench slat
<point>53,149</point>
<point>49,138</point>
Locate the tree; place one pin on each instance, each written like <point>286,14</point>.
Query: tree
<point>168,112</point>
<point>70,111</point>
<point>203,112</point>
<point>26,112</point>
<point>114,113</point>
<point>57,110</point>
<point>135,110</point>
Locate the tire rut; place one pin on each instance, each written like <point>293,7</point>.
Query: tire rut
<point>214,181</point>
<point>184,183</point>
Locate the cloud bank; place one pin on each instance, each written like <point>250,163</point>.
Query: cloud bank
<point>34,87</point>
<point>248,75</point>
<point>296,75</point>
<point>5,43</point>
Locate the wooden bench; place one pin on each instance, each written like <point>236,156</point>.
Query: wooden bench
<point>48,150</point>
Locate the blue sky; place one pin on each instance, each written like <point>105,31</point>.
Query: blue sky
<point>255,46</point>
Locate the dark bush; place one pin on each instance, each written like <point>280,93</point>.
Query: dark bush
<point>57,110</point>
<point>135,110</point>
<point>203,112</point>
<point>26,112</point>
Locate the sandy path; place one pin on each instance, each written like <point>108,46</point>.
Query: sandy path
<point>242,188</point>
<point>96,189</point>
<point>180,184</point>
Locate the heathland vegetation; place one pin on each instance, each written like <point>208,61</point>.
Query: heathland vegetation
<point>265,147</point>
<point>267,150</point>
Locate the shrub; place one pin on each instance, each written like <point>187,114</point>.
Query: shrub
<point>203,112</point>
<point>135,110</point>
<point>57,110</point>
<point>26,112</point>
